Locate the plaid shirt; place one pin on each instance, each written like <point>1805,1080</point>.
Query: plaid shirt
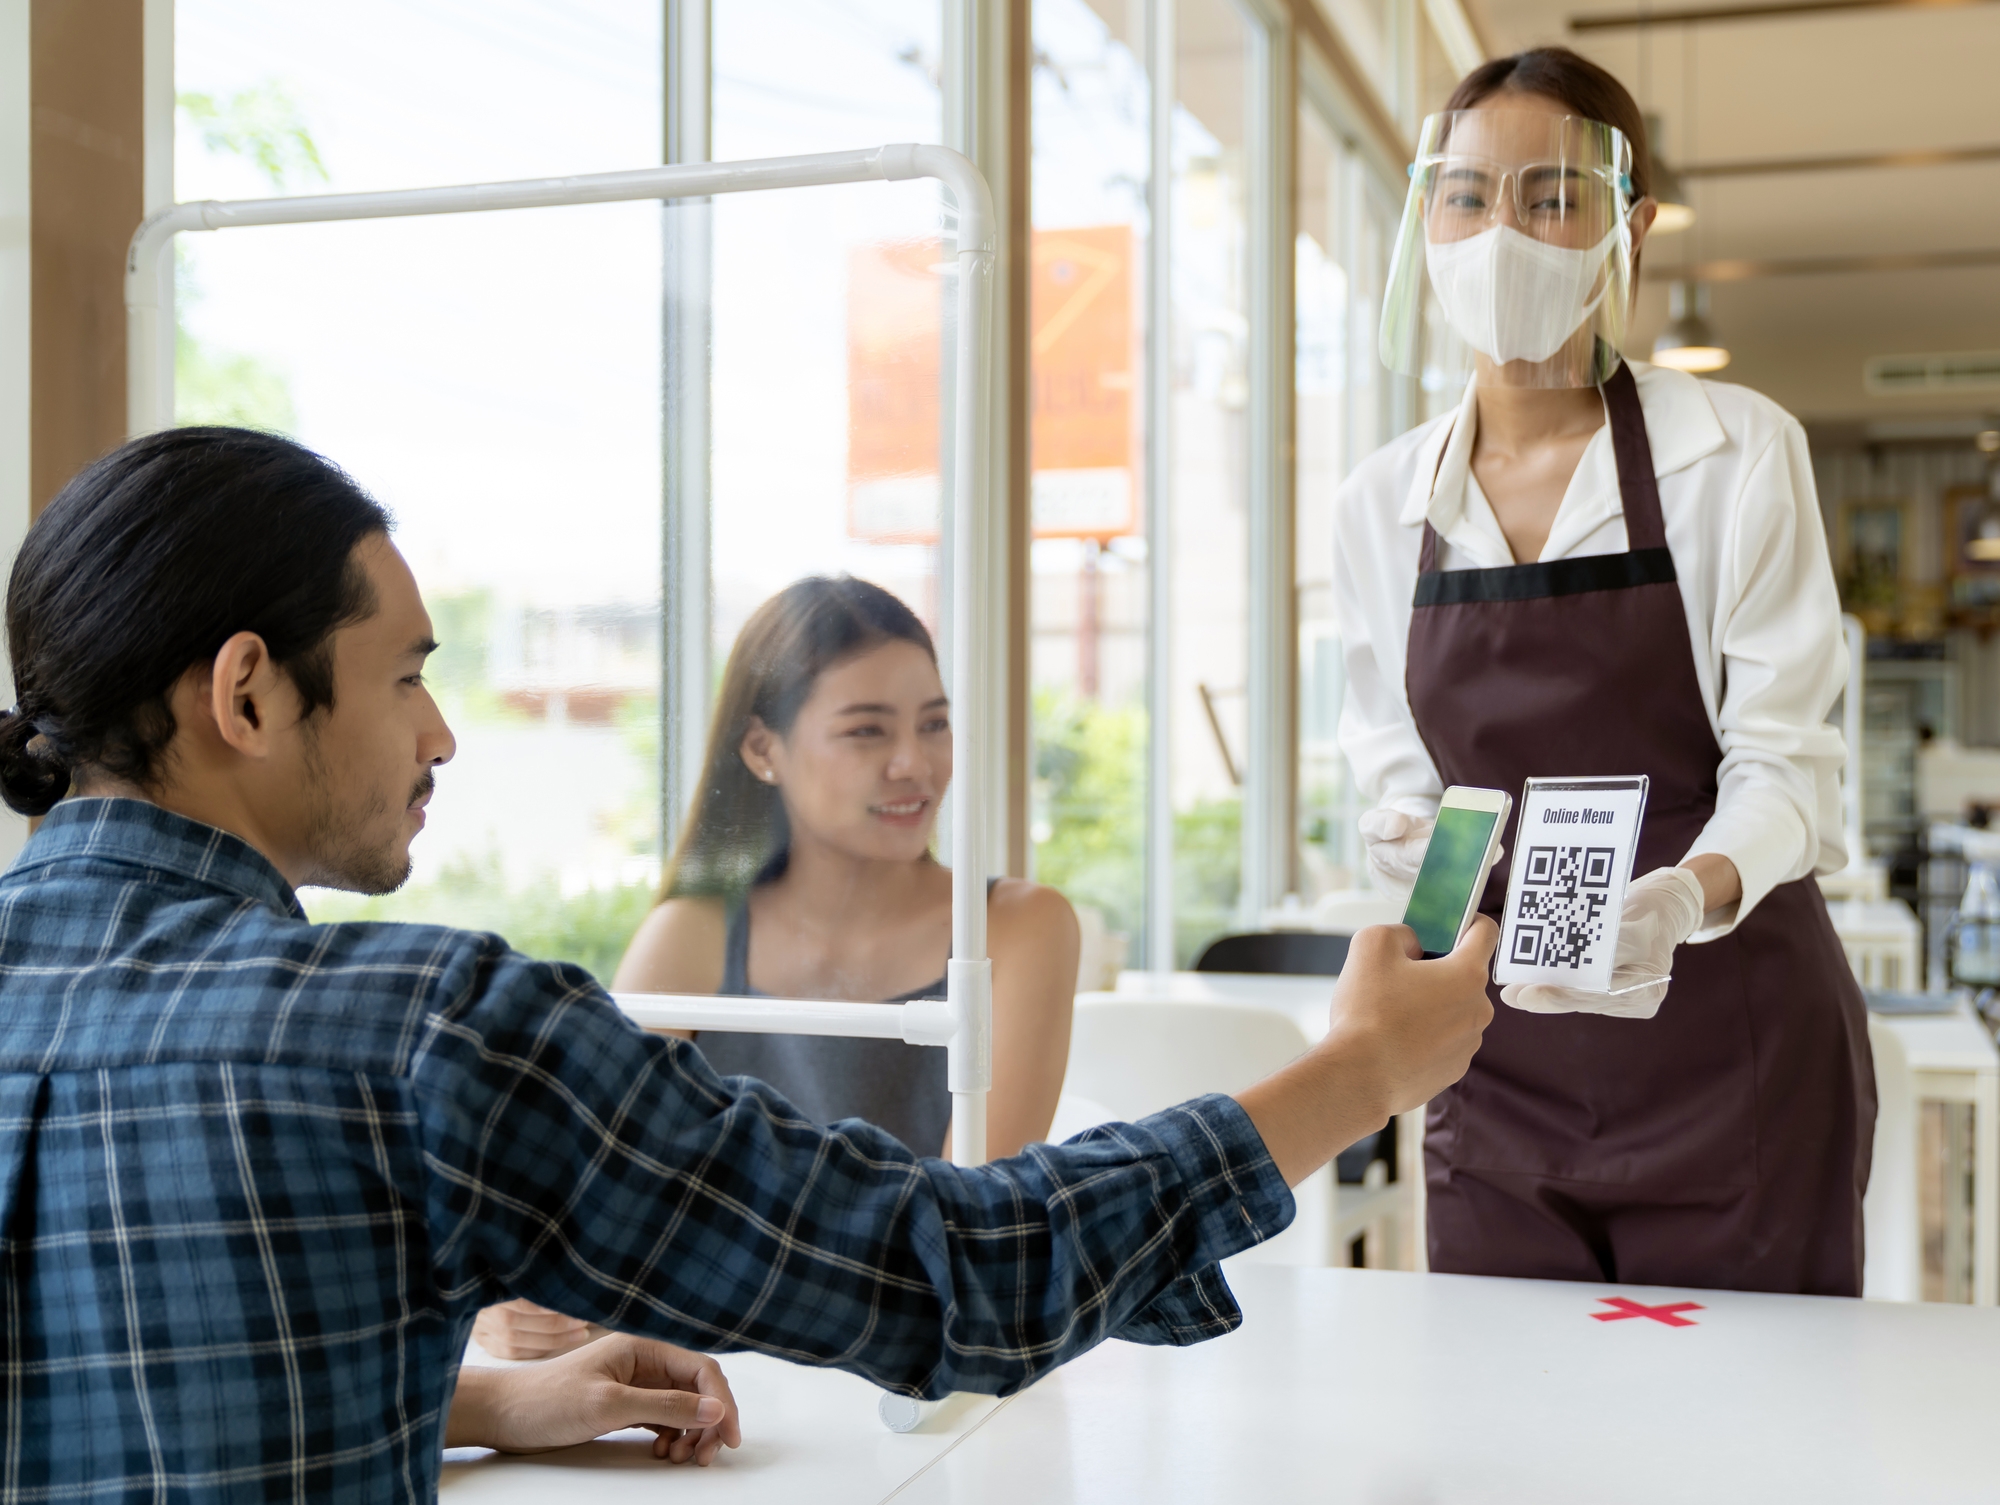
<point>257,1175</point>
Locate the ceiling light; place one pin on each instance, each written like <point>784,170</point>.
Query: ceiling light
<point>1687,343</point>
<point>1983,547</point>
<point>1676,210</point>
<point>1672,218</point>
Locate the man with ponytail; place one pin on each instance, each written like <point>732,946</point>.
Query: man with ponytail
<point>258,1175</point>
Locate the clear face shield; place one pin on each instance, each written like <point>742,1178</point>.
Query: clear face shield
<point>1521,221</point>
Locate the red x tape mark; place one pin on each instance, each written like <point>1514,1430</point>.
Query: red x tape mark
<point>1663,1314</point>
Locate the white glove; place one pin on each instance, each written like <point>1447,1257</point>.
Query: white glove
<point>1661,910</point>
<point>1396,846</point>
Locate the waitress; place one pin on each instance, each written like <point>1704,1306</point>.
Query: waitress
<point>1596,568</point>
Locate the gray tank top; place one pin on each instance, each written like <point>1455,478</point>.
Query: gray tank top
<point>897,1087</point>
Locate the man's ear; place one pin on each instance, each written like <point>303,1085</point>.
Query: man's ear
<point>247,695</point>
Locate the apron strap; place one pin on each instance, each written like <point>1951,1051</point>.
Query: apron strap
<point>1639,487</point>
<point>1427,555</point>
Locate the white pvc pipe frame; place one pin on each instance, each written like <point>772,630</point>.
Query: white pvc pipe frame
<point>961,1022</point>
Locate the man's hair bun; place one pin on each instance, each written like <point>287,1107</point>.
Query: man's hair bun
<point>33,775</point>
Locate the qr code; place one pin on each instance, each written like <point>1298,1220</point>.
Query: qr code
<point>1564,891</point>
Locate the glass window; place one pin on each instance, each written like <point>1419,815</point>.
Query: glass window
<point>1088,638</point>
<point>828,308</point>
<point>1436,74</point>
<point>1346,409</point>
<point>1377,402</point>
<point>482,375</point>
<point>1366,26</point>
<point>486,374</point>
<point>1323,297</point>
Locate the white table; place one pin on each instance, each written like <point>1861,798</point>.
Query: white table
<point>809,1435</point>
<point>1953,1060</point>
<point>1375,1386</point>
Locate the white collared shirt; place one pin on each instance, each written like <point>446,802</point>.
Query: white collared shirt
<point>1743,525</point>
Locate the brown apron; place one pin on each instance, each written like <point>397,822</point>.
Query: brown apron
<point>1725,1141</point>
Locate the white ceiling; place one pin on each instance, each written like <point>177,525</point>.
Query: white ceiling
<point>1808,86</point>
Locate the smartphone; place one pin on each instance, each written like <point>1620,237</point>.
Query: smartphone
<point>1463,849</point>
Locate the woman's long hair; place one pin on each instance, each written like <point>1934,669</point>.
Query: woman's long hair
<point>737,834</point>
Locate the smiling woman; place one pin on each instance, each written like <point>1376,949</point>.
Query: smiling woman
<point>805,871</point>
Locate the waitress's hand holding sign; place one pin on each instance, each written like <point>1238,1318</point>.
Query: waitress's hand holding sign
<point>1661,910</point>
<point>1580,935</point>
<point>1396,846</point>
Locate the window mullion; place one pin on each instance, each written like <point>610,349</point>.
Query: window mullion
<point>1271,766</point>
<point>686,594</point>
<point>1159,490</point>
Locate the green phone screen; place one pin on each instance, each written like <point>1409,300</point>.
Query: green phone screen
<point>1444,885</point>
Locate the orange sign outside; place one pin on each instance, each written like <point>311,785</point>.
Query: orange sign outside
<point>894,327</point>
<point>1083,360</point>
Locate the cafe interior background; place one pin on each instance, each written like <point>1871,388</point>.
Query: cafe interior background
<point>608,433</point>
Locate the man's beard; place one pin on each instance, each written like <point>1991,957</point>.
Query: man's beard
<point>354,846</point>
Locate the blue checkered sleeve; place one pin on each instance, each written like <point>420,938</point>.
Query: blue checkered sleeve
<point>611,1174</point>
<point>257,1175</point>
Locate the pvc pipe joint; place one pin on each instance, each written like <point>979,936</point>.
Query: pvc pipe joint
<point>970,991</point>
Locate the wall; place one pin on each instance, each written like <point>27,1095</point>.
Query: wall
<point>87,140</point>
<point>15,323</point>
<point>71,193</point>
<point>1920,474</point>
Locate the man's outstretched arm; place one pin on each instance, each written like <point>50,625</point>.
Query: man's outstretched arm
<point>1402,1031</point>
<point>610,1175</point>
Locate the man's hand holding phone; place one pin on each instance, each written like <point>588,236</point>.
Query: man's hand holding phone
<point>1401,1030</point>
<point>1463,847</point>
<point>1409,1026</point>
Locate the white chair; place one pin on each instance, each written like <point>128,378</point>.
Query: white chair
<point>1350,909</point>
<point>1863,879</point>
<point>1137,1057</point>
<point>1889,1213</point>
<point>1881,938</point>
<point>1100,952</point>
<point>1075,1114</point>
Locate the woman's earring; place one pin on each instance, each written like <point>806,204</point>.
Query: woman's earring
<point>770,776</point>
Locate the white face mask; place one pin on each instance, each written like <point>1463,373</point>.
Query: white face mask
<point>1512,298</point>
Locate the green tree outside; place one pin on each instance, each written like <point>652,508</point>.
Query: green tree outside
<point>1089,810</point>
<point>537,919</point>
<point>263,126</point>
